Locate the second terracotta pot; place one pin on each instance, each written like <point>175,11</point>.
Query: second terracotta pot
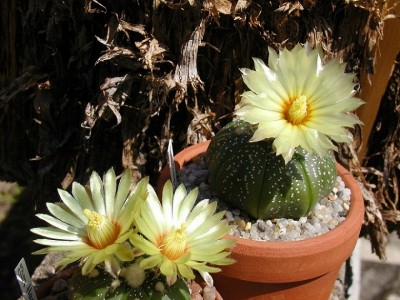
<point>286,270</point>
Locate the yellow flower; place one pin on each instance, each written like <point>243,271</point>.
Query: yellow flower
<point>179,238</point>
<point>94,225</point>
<point>298,101</point>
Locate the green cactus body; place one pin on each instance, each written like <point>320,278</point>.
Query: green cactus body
<point>250,176</point>
<point>99,287</point>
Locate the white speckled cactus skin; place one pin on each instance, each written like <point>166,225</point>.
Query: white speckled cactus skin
<point>250,176</point>
<point>103,286</point>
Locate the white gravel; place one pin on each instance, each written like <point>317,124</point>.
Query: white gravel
<point>325,216</point>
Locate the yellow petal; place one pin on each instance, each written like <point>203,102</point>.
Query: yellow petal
<point>96,189</point>
<point>61,225</point>
<point>185,271</point>
<point>110,187</point>
<point>50,242</point>
<point>55,233</point>
<point>201,267</point>
<point>112,266</point>
<point>66,261</point>
<point>150,262</point>
<point>206,226</point>
<point>81,195</point>
<point>134,202</point>
<point>167,268</point>
<point>64,215</point>
<point>167,196</point>
<point>124,253</point>
<point>201,217</point>
<point>268,129</point>
<point>124,237</point>
<point>99,256</point>
<point>88,265</point>
<point>122,192</point>
<point>211,258</point>
<point>179,196</point>
<point>212,247</point>
<point>144,245</point>
<point>186,206</point>
<point>150,232</point>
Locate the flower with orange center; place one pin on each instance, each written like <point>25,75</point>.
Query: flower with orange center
<point>94,225</point>
<point>179,236</point>
<point>299,102</point>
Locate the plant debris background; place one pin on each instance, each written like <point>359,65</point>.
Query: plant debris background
<point>86,85</point>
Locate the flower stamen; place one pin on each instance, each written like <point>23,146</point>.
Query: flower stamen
<point>101,232</point>
<point>297,111</point>
<point>173,245</point>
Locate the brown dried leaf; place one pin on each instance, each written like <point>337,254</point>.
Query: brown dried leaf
<point>90,9</point>
<point>186,70</point>
<point>225,7</point>
<point>117,52</point>
<point>139,28</point>
<point>290,7</point>
<point>200,128</point>
<point>151,52</point>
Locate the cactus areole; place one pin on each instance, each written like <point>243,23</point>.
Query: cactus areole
<point>251,177</point>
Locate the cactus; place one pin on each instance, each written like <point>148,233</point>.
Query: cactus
<point>250,176</point>
<point>103,286</point>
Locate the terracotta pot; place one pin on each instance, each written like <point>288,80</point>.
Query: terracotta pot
<point>286,270</point>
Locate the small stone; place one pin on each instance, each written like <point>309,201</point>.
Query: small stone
<point>270,224</point>
<point>236,212</point>
<point>245,235</point>
<point>196,297</point>
<point>282,231</point>
<point>59,286</point>
<point>345,198</point>
<point>346,192</point>
<point>254,235</point>
<point>346,206</point>
<point>248,226</point>
<point>241,224</point>
<point>303,220</point>
<point>209,293</point>
<point>261,226</point>
<point>332,197</point>
<point>309,227</point>
<point>229,216</point>
<point>195,288</point>
<point>236,233</point>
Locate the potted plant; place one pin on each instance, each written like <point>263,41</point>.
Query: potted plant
<point>275,161</point>
<point>130,246</point>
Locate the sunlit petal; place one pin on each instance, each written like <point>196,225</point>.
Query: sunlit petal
<point>61,225</point>
<point>110,187</point>
<point>150,262</point>
<point>81,195</point>
<point>122,192</point>
<point>55,233</point>
<point>72,204</point>
<point>64,215</point>
<point>144,245</point>
<point>96,189</point>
